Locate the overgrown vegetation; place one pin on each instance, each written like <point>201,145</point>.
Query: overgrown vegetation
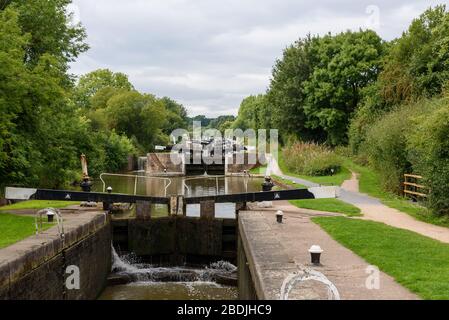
<point>311,159</point>
<point>334,179</point>
<point>416,262</point>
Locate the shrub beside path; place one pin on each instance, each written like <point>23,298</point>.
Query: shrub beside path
<point>373,209</point>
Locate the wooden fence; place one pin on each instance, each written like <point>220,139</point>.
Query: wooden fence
<point>413,188</point>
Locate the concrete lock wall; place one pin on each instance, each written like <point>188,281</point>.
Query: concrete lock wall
<point>232,166</point>
<point>245,281</point>
<point>40,272</point>
<point>160,163</point>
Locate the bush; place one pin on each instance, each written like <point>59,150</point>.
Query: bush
<point>385,148</point>
<point>370,109</point>
<point>428,150</point>
<point>385,144</point>
<point>117,149</point>
<point>311,159</point>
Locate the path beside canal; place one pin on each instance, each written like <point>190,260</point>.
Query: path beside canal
<point>373,209</point>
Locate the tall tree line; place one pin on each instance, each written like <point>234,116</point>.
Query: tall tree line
<point>387,101</point>
<point>326,88</point>
<point>48,118</point>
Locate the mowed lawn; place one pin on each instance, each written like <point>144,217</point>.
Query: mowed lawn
<point>288,182</point>
<point>14,228</point>
<point>418,263</point>
<point>330,205</point>
<point>38,204</point>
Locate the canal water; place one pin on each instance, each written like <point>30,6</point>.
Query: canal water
<point>170,291</point>
<point>191,283</point>
<point>186,283</point>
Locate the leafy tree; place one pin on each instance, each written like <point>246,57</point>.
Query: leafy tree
<point>39,128</point>
<point>417,64</point>
<point>346,63</point>
<point>176,116</point>
<point>101,81</point>
<point>117,149</point>
<point>11,92</point>
<point>202,118</point>
<point>31,101</point>
<point>221,122</point>
<point>137,115</point>
<point>249,113</point>
<point>317,85</point>
<point>51,30</point>
<point>286,91</point>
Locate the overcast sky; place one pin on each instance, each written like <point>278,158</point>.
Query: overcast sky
<point>210,54</point>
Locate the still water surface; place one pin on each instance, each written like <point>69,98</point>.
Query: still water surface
<point>169,291</point>
<point>188,186</point>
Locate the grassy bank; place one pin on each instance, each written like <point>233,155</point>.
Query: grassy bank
<point>330,205</point>
<point>287,182</point>
<point>416,262</point>
<point>14,228</point>
<point>336,179</point>
<point>38,204</point>
<point>258,170</point>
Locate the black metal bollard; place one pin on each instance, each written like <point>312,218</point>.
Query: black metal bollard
<point>267,185</point>
<point>86,184</point>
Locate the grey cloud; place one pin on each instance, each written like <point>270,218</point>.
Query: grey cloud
<point>210,54</point>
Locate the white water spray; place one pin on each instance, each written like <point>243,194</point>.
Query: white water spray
<point>148,273</point>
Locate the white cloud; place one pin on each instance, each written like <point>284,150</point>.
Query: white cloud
<point>209,54</point>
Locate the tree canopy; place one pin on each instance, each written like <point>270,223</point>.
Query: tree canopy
<point>48,120</point>
<point>316,87</point>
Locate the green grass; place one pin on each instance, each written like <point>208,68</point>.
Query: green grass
<point>14,228</point>
<point>330,205</point>
<point>288,182</point>
<point>369,183</point>
<point>38,204</point>
<point>416,262</point>
<point>336,179</point>
<point>258,170</point>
